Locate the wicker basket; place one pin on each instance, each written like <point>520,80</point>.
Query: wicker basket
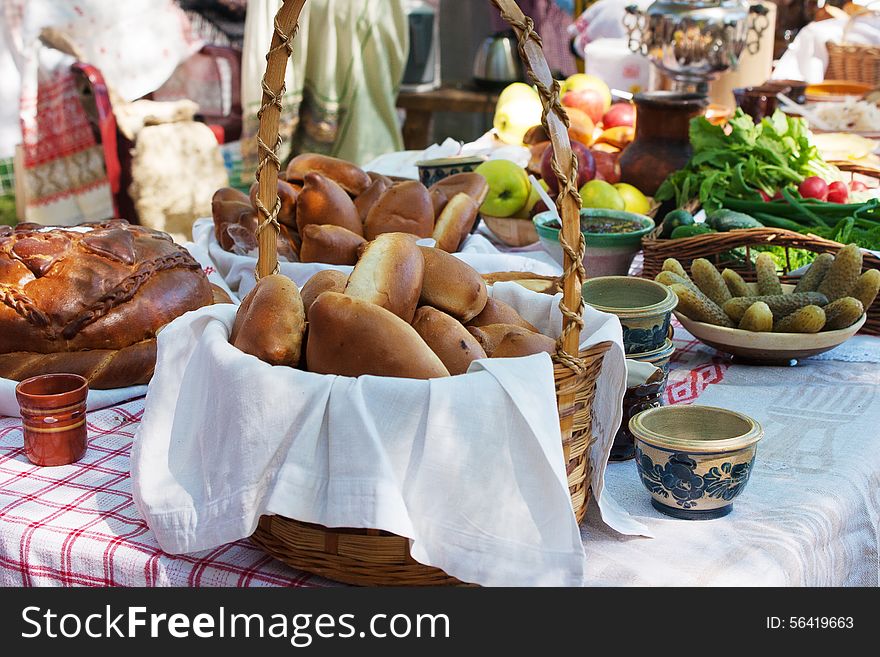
<point>853,62</point>
<point>712,245</point>
<point>373,557</point>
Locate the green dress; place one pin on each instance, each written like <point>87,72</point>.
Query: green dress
<point>342,82</point>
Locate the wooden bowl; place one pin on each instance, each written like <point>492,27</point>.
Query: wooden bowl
<point>768,348</point>
<point>511,231</point>
<point>836,91</point>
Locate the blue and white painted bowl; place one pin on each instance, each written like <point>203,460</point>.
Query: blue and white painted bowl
<point>694,460</point>
<point>643,306</point>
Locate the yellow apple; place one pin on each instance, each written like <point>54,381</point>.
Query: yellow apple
<point>581,81</point>
<point>531,202</point>
<point>509,187</point>
<point>518,109</point>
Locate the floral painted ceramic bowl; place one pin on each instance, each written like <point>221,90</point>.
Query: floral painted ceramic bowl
<point>658,358</point>
<point>432,171</point>
<point>643,306</point>
<point>694,460</point>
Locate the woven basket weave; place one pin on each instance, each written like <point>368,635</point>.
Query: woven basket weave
<point>853,62</point>
<point>373,557</point>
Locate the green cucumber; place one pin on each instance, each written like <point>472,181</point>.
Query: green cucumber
<point>675,219</point>
<point>724,220</point>
<point>690,231</point>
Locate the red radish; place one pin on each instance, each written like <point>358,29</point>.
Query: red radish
<point>837,193</point>
<point>857,186</point>
<point>814,187</point>
<point>764,195</point>
<point>778,195</point>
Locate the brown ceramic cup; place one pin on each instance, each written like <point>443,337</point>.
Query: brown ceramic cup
<point>53,415</point>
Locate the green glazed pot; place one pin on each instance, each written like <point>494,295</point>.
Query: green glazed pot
<point>606,254</point>
<point>643,306</point>
<point>694,460</point>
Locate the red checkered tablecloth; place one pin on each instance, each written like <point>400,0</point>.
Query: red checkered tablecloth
<point>76,525</point>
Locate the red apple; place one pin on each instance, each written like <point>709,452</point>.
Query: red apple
<point>586,166</point>
<point>607,166</point>
<point>587,100</point>
<point>857,186</point>
<point>619,114</point>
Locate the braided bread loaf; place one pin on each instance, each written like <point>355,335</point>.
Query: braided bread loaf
<point>89,299</point>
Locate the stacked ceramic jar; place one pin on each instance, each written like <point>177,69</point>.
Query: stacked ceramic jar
<point>644,308</point>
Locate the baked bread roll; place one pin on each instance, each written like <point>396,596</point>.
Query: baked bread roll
<point>447,338</point>
<point>326,280</point>
<point>349,176</point>
<point>491,337</point>
<point>287,193</point>
<point>365,201</point>
<point>498,312</point>
<point>455,222</point>
<point>451,285</point>
<point>334,245</point>
<point>515,345</point>
<point>375,175</point>
<point>103,368</point>
<point>439,201</point>
<point>389,273</point>
<point>470,183</point>
<point>227,205</point>
<point>104,286</point>
<point>403,208</point>
<point>529,280</point>
<point>352,337</point>
<point>219,295</point>
<point>270,322</point>
<point>322,201</point>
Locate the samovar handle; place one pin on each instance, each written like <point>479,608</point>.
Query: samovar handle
<point>634,21</point>
<point>759,22</point>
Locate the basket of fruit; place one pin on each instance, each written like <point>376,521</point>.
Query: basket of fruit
<point>768,321</point>
<point>371,556</point>
<point>763,190</point>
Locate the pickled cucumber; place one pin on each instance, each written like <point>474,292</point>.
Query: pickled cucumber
<point>735,283</point>
<point>780,304</point>
<point>813,276</point>
<point>710,282</point>
<point>699,307</point>
<point>671,278</point>
<point>843,273</point>
<point>758,317</point>
<point>866,287</point>
<point>809,319</point>
<point>842,313</point>
<point>768,281</point>
<point>673,265</point>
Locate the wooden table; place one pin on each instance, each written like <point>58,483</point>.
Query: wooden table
<point>420,108</point>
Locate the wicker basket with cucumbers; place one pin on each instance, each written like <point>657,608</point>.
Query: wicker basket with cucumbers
<point>767,321</point>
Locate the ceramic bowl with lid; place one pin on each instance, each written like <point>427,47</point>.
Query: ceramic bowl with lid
<point>694,460</point>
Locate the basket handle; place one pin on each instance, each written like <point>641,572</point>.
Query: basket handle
<point>553,118</point>
<point>867,10</point>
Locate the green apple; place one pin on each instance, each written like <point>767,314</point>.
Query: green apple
<point>509,187</point>
<point>532,201</point>
<point>518,109</point>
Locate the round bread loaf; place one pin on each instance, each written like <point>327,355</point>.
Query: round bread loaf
<point>389,274</point>
<point>403,208</point>
<point>447,338</point>
<point>451,285</point>
<point>498,312</point>
<point>270,322</point>
<point>352,337</point>
<point>349,176</point>
<point>103,286</point>
<point>326,280</point>
<point>334,245</point>
<point>455,222</point>
<point>322,201</point>
<point>438,201</point>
